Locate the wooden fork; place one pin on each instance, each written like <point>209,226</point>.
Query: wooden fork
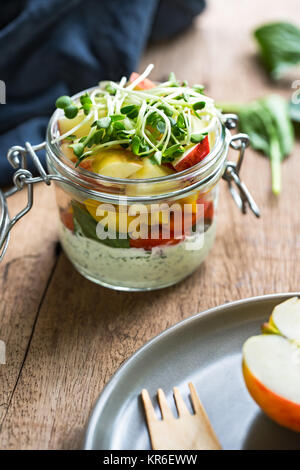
<point>183,433</point>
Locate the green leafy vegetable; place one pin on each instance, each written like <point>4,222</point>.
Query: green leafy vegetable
<point>85,99</point>
<point>172,78</point>
<point>86,226</point>
<point>181,121</point>
<point>198,106</point>
<point>268,124</point>
<point>295,110</point>
<point>70,108</point>
<point>135,145</point>
<point>71,138</point>
<point>198,88</point>
<point>279,46</point>
<point>196,138</point>
<point>98,136</point>
<point>278,108</point>
<point>157,158</point>
<point>161,126</point>
<point>168,111</point>
<point>103,123</point>
<point>172,150</point>
<point>117,117</point>
<point>84,222</point>
<point>131,111</point>
<point>78,149</point>
<point>110,89</point>
<point>86,102</point>
<point>71,111</point>
<point>63,101</point>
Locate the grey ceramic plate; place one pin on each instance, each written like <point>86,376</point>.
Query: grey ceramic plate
<point>204,349</point>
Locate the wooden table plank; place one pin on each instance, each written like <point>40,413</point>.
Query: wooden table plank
<point>24,276</point>
<point>84,332</point>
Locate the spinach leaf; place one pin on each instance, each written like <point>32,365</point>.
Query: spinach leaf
<point>268,124</point>
<point>295,111</point>
<point>277,107</point>
<point>116,242</point>
<point>279,46</point>
<point>85,225</point>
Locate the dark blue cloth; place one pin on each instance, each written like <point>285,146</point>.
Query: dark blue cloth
<point>55,47</point>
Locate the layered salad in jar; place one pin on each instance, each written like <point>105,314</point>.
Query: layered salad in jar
<point>148,233</point>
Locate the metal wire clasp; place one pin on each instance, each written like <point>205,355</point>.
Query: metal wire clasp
<point>237,188</point>
<point>22,177</point>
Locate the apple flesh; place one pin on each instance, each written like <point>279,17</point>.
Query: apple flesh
<point>271,368</point>
<point>65,125</point>
<point>149,170</point>
<point>286,318</point>
<point>117,164</point>
<point>192,156</point>
<point>68,151</point>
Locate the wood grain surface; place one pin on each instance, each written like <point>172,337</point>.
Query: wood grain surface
<point>66,336</point>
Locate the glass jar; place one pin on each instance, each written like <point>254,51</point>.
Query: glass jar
<point>130,234</point>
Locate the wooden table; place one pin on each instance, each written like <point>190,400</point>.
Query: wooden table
<point>66,336</point>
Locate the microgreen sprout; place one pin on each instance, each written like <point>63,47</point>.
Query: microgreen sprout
<point>63,101</point>
<point>196,138</point>
<point>160,122</point>
<point>71,111</point>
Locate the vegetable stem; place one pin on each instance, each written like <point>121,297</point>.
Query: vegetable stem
<point>268,124</point>
<point>230,107</point>
<point>275,157</point>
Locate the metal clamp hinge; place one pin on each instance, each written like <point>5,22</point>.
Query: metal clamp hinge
<point>237,188</point>
<point>21,178</point>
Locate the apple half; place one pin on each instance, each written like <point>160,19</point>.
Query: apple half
<point>271,365</point>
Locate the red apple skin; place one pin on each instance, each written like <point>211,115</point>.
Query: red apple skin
<point>279,409</point>
<point>196,155</point>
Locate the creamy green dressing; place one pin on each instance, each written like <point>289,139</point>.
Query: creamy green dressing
<point>135,268</point>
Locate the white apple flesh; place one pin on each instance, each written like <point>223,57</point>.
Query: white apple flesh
<point>286,318</point>
<point>271,368</point>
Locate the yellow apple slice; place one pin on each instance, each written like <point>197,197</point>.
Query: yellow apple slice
<point>111,218</point>
<point>286,318</point>
<point>189,203</point>
<point>65,125</point>
<point>117,164</point>
<point>68,152</point>
<point>149,170</point>
<point>271,368</point>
